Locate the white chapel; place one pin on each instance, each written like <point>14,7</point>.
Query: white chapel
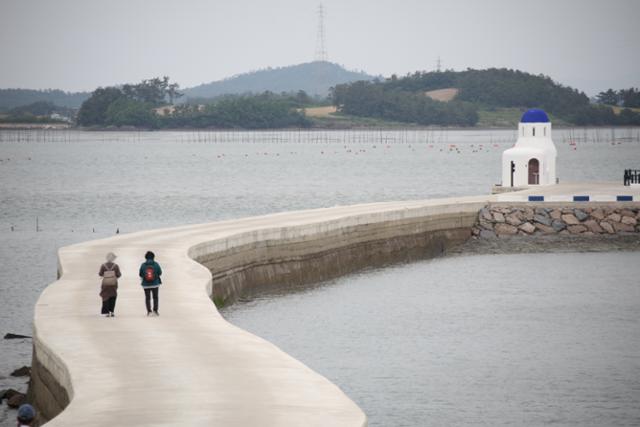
<point>532,161</point>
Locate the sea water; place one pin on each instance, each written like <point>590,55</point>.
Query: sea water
<point>63,187</point>
<point>501,339</point>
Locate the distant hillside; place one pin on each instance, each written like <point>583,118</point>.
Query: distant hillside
<point>403,98</point>
<point>498,88</point>
<point>12,98</point>
<point>315,78</point>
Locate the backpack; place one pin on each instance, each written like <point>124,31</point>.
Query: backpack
<point>149,274</point>
<point>109,276</point>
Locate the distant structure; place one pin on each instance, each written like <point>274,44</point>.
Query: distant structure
<point>439,65</point>
<point>532,161</point>
<point>321,49</point>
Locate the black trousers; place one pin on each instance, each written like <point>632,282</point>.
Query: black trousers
<point>109,305</point>
<point>147,298</point>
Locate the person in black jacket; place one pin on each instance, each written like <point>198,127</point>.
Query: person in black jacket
<point>150,273</point>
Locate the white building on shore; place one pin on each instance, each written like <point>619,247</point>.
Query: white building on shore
<point>532,161</point>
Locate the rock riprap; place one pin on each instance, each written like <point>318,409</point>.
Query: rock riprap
<point>25,371</point>
<point>14,398</point>
<point>500,221</point>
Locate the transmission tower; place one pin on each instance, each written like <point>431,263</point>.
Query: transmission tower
<point>321,50</point>
<point>438,65</point>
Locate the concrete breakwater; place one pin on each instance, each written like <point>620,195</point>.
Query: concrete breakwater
<point>569,218</point>
<point>89,370</point>
<point>304,258</point>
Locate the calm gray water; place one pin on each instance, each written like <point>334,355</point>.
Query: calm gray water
<point>79,186</point>
<point>524,339</point>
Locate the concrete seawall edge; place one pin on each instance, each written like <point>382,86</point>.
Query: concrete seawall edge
<point>292,247</point>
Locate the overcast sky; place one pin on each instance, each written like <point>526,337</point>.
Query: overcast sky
<point>81,44</point>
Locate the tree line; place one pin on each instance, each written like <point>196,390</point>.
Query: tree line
<point>628,98</point>
<point>400,99</point>
<point>403,99</point>
<point>135,105</point>
<point>384,101</point>
<point>128,105</point>
<point>263,111</point>
<point>38,112</point>
<point>12,98</point>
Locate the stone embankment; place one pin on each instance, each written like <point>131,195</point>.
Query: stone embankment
<point>501,220</point>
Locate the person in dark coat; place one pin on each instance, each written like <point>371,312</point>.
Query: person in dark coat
<point>150,273</point>
<point>110,272</point>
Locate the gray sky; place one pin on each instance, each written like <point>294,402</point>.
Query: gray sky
<point>82,44</point>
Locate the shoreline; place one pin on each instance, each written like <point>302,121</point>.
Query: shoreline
<point>550,243</point>
<point>408,128</point>
<point>35,126</point>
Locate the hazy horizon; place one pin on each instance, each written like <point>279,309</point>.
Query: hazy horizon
<point>77,45</point>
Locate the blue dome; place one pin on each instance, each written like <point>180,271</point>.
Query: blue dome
<point>534,116</point>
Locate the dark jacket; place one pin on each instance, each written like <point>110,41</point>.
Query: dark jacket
<point>156,268</point>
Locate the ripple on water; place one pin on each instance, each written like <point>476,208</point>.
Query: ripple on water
<point>520,339</point>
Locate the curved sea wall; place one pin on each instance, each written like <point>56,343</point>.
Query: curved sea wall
<point>189,366</point>
<point>305,254</point>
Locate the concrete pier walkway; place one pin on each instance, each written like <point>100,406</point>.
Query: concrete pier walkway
<point>190,367</point>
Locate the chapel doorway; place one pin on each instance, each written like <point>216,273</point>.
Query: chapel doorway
<point>534,172</point>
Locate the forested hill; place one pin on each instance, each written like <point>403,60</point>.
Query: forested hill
<point>12,98</point>
<point>403,99</point>
<point>498,88</point>
<point>315,78</point>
